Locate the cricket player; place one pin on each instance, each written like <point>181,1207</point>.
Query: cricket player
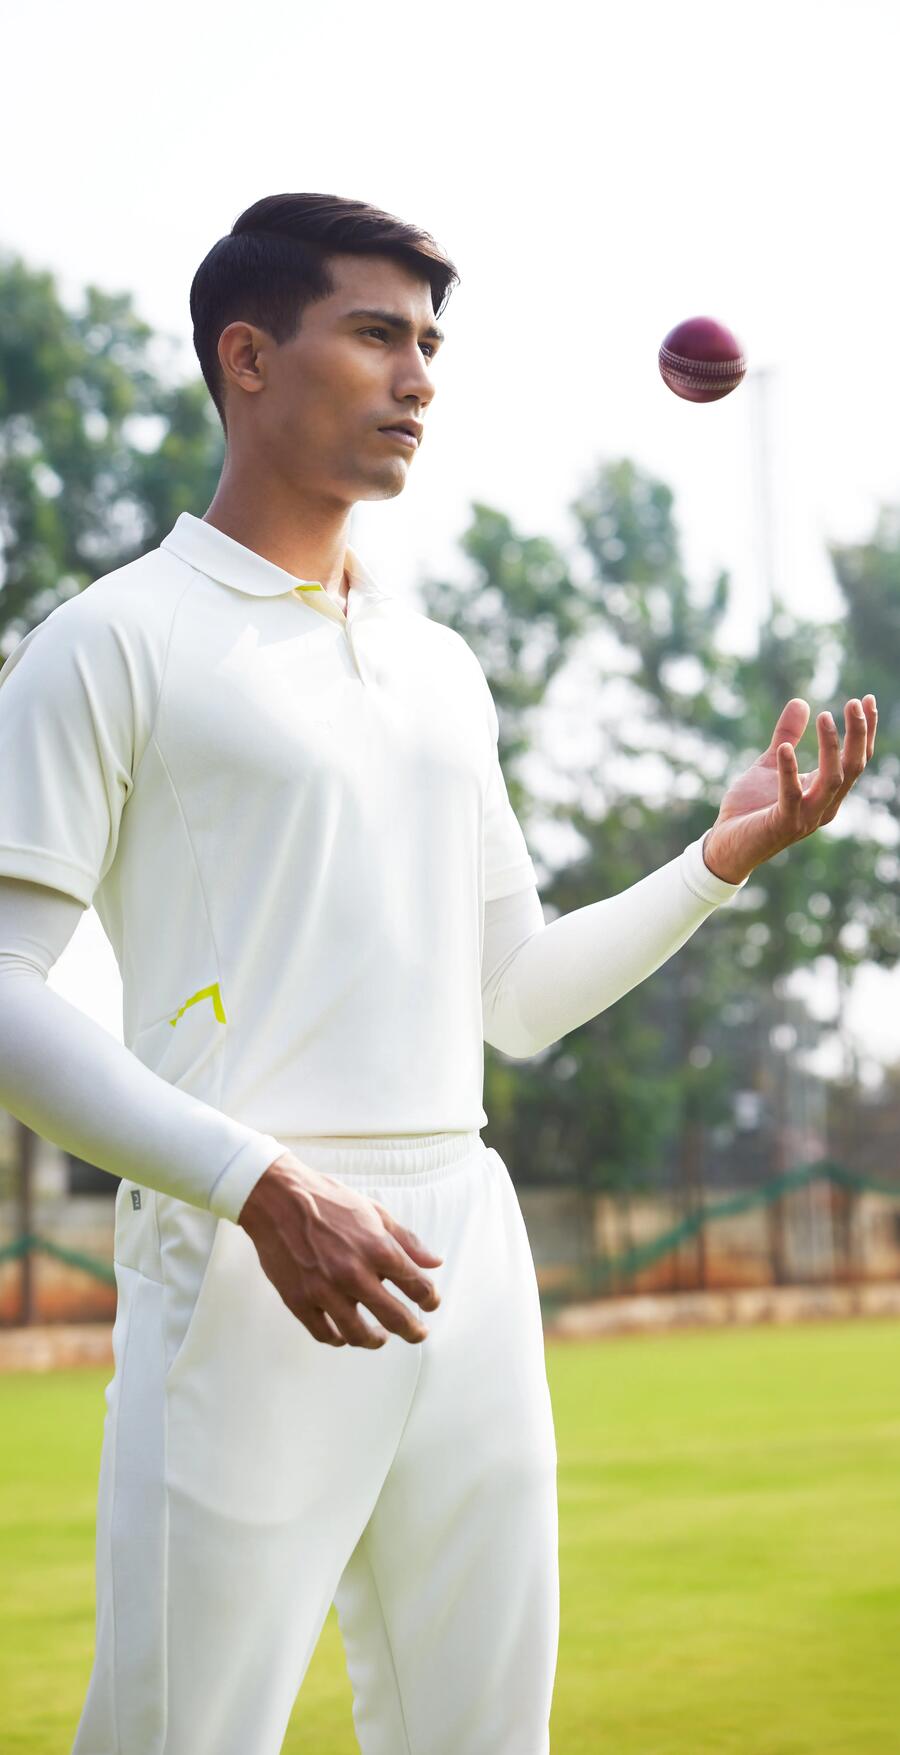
<point>278,784</point>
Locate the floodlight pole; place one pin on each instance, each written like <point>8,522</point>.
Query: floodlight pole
<point>759,382</point>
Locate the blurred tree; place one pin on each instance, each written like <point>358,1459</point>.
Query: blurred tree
<point>521,614</point>
<point>707,713</point>
<point>600,1106</point>
<point>659,1068</point>
<point>98,451</point>
<point>680,716</point>
<point>868,576</point>
<point>864,918</point>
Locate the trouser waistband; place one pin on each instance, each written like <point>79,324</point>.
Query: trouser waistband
<point>378,1158</point>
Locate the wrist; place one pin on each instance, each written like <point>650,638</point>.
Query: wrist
<point>277,1190</point>
<point>718,866</point>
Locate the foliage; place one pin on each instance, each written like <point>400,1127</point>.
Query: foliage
<point>98,451</point>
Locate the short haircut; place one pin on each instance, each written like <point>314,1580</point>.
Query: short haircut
<point>275,261</point>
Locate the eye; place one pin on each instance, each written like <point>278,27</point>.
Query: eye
<point>384,332</point>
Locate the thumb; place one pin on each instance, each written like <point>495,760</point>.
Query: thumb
<point>789,727</point>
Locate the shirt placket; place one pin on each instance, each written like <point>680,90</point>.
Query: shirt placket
<point>318,598</point>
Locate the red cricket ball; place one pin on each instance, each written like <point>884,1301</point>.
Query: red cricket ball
<point>701,360</point>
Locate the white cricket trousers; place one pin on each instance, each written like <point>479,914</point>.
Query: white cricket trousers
<point>261,1475</point>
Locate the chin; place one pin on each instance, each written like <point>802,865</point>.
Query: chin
<point>384,490</point>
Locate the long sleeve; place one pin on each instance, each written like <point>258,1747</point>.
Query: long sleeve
<point>74,1084</point>
<point>540,980</point>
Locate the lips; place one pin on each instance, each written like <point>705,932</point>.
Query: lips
<point>407,425</point>
<point>400,436</point>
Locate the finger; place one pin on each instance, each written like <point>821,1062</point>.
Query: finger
<point>829,775</point>
<point>350,1322</point>
<point>801,812</point>
<point>790,725</point>
<point>870,707</point>
<point>853,755</point>
<point>838,770</point>
<point>853,750</point>
<point>408,1239</point>
<point>790,788</point>
<point>410,1280</point>
<point>386,1309</point>
<point>319,1324</point>
<point>390,1261</point>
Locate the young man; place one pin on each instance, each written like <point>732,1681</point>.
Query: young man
<point>279,786</point>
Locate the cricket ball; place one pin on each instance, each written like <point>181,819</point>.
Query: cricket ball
<point>701,360</point>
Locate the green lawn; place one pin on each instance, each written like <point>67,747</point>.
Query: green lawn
<point>730,1550</point>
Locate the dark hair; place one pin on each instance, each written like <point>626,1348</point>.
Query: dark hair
<point>274,262</point>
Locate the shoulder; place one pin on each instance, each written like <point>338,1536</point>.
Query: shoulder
<point>123,617</point>
<point>454,658</point>
<point>446,641</point>
<point>139,598</point>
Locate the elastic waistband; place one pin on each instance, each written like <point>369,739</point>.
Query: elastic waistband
<point>407,1158</point>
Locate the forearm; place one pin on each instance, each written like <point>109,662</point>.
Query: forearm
<point>563,973</point>
<point>74,1084</point>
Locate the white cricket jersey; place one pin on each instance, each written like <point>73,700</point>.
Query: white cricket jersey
<point>288,820</point>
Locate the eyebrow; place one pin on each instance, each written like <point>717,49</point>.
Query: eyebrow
<point>403,324</point>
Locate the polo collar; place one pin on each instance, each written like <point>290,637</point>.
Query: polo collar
<point>221,558</point>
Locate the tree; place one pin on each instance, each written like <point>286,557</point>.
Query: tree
<point>99,452</point>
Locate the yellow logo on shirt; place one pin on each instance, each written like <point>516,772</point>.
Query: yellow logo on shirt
<point>204,993</point>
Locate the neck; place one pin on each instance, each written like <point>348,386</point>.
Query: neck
<point>297,534</point>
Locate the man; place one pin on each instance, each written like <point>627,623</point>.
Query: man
<point>280,787</point>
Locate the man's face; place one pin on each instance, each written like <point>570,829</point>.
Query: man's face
<point>314,406</point>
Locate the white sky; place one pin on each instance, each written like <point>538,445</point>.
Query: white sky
<point>597,174</point>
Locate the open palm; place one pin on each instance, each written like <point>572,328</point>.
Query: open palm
<point>772,805</point>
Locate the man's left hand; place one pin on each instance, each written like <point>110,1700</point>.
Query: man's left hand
<point>773,805</point>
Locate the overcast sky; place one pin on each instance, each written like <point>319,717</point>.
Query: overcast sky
<point>596,174</point>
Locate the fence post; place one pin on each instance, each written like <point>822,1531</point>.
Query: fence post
<point>25,1163</point>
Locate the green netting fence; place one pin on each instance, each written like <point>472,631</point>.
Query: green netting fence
<point>32,1244</point>
<point>643,1254</point>
<point>592,1279</point>
<point>595,1277</point>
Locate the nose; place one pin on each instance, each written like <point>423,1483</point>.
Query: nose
<point>416,382</point>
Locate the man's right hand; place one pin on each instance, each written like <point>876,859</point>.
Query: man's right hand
<point>326,1247</point>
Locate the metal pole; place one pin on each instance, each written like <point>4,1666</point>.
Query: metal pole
<point>760,381</point>
<point>25,1161</point>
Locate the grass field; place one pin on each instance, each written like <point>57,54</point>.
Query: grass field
<point>729,1550</point>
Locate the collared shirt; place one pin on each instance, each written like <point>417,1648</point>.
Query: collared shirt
<point>288,820</point>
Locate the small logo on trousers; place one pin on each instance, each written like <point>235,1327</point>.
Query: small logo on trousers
<point>135,1198</point>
